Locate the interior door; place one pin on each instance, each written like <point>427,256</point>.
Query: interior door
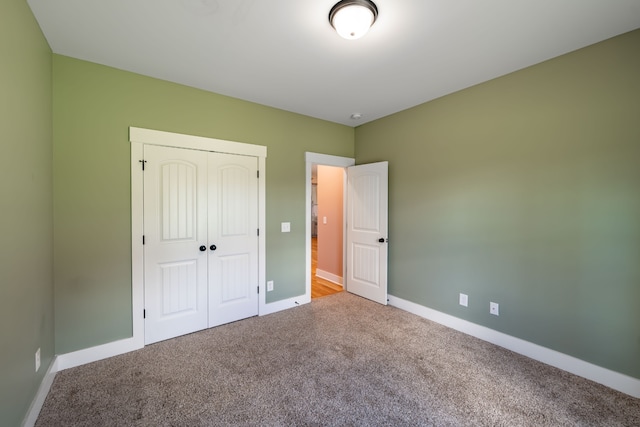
<point>201,240</point>
<point>367,230</point>
<point>233,238</point>
<point>175,224</point>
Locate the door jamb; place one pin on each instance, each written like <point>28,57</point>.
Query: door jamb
<point>138,137</point>
<point>324,160</point>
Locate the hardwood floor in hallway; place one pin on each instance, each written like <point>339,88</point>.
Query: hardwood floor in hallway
<point>319,286</point>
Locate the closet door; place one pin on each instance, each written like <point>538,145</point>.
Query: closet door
<point>201,241</point>
<point>233,237</point>
<point>175,251</point>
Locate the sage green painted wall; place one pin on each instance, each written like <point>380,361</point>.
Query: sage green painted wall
<point>94,106</point>
<point>26,258</point>
<point>525,190</point>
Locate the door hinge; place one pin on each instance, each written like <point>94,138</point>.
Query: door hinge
<point>142,162</point>
<point>258,289</point>
<point>258,230</point>
<point>143,239</point>
<point>258,174</point>
<point>144,314</point>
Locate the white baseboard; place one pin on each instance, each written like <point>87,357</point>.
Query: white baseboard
<point>607,377</point>
<point>115,348</point>
<point>93,354</point>
<point>284,304</point>
<point>334,278</point>
<point>36,405</point>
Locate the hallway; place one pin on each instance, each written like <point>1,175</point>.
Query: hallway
<point>320,287</point>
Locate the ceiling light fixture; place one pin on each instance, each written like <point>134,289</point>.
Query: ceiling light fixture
<point>353,18</point>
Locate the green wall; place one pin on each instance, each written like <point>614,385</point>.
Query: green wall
<point>26,259</point>
<point>94,106</point>
<point>525,190</point>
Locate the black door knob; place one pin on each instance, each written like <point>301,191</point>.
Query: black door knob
<point>213,247</point>
<point>203,248</point>
<point>381,240</point>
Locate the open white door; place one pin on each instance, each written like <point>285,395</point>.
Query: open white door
<point>367,228</point>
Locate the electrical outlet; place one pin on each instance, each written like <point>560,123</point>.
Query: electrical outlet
<point>494,308</point>
<point>464,300</point>
<point>285,227</point>
<point>37,360</point>
<point>269,285</point>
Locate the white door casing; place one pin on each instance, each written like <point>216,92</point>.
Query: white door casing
<point>367,231</point>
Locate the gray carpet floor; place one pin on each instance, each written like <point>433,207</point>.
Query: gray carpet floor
<point>339,361</point>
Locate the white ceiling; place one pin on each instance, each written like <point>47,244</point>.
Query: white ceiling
<point>285,54</point>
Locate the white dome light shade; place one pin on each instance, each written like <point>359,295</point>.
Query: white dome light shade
<point>353,18</point>
<point>352,22</point>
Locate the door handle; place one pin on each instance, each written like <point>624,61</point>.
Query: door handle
<point>381,240</point>
<point>203,248</point>
<point>213,247</point>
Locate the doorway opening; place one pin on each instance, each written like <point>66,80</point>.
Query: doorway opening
<point>327,230</point>
<point>325,238</point>
<point>364,225</point>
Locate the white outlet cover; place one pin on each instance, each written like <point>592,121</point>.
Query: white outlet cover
<point>269,285</point>
<point>494,308</point>
<point>285,227</point>
<point>464,300</point>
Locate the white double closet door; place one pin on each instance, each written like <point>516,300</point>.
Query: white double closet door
<point>201,242</point>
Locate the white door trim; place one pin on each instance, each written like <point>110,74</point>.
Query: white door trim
<point>138,137</point>
<point>326,160</point>
<point>170,139</point>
